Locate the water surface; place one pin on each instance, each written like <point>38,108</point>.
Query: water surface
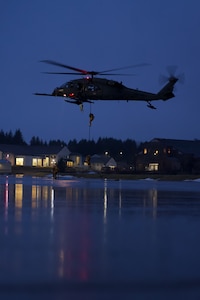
<point>99,239</point>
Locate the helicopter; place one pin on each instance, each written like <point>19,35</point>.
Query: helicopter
<point>91,88</point>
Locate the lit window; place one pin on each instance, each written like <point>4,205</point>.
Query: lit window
<point>37,162</point>
<point>78,160</point>
<point>19,161</point>
<point>112,167</point>
<point>69,163</point>
<point>145,151</point>
<point>153,167</point>
<point>46,162</point>
<point>156,152</point>
<point>168,151</point>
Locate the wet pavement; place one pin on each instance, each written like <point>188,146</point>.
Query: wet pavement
<point>99,239</point>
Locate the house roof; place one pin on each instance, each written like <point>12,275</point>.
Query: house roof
<point>184,146</point>
<point>100,159</point>
<point>30,150</point>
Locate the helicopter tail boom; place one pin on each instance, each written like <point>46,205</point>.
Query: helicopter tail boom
<point>167,91</point>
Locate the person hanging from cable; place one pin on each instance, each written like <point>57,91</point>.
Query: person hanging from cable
<point>91,116</point>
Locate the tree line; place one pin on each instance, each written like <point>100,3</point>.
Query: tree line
<point>17,138</point>
<point>114,147</point>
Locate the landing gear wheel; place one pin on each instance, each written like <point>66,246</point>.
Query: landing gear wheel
<point>150,105</point>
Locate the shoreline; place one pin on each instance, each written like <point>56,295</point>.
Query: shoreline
<point>41,172</point>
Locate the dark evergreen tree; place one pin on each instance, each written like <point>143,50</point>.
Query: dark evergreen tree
<point>2,137</point>
<point>57,143</point>
<point>61,165</point>
<point>72,145</point>
<point>36,141</point>
<point>18,138</point>
<point>129,150</point>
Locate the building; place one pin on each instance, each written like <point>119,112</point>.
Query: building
<point>102,162</point>
<point>75,160</point>
<point>168,156</point>
<point>33,156</point>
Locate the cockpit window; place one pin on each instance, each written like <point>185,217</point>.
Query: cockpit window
<point>78,86</point>
<point>64,85</point>
<point>92,87</point>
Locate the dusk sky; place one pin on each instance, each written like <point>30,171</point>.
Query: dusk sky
<point>99,35</point>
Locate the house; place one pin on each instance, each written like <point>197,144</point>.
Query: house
<point>75,160</point>
<point>169,156</point>
<point>100,162</point>
<point>33,156</point>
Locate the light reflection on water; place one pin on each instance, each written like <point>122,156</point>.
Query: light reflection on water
<point>111,236</point>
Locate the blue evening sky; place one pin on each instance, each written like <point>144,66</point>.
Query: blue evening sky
<point>99,35</point>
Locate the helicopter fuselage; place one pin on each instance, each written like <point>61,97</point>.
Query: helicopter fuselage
<point>100,89</point>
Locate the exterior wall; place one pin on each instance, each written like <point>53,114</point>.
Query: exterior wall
<point>28,161</point>
<point>77,160</point>
<point>97,166</point>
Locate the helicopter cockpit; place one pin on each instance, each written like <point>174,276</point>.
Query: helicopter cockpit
<point>71,85</point>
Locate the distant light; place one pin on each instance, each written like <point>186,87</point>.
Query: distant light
<point>64,95</point>
<point>106,153</point>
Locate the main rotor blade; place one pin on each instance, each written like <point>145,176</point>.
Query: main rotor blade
<point>62,73</point>
<point>84,72</point>
<point>127,67</point>
<point>117,74</point>
<point>51,62</point>
<point>96,73</point>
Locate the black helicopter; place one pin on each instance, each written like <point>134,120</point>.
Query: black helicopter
<point>91,88</point>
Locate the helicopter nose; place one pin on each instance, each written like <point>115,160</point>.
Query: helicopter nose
<point>57,92</point>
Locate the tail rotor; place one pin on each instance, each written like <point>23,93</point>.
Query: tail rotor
<point>171,71</point>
